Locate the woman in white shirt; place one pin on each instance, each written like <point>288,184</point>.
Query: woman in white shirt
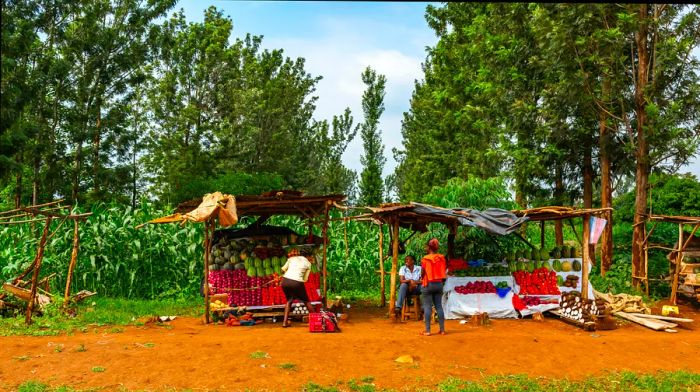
<point>296,272</point>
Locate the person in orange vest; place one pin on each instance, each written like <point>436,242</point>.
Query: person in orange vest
<point>433,273</point>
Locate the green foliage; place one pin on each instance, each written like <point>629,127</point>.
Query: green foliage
<point>371,185</point>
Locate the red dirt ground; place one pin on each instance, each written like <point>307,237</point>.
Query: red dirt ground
<point>188,354</point>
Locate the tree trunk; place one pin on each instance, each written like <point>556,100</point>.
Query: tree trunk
<point>587,176</point>
<point>97,137</point>
<point>642,153</point>
<point>606,240</point>
<point>18,186</point>
<point>35,179</point>
<point>588,186</point>
<point>558,193</point>
<point>76,172</point>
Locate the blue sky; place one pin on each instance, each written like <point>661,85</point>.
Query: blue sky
<point>339,39</point>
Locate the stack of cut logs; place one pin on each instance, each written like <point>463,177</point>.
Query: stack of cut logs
<point>573,307</point>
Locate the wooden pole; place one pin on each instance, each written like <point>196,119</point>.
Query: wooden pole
<point>324,233</point>
<point>542,234</point>
<point>677,270</point>
<point>207,247</point>
<point>37,267</point>
<point>73,261</point>
<point>382,276</point>
<point>394,264</point>
<point>586,256</point>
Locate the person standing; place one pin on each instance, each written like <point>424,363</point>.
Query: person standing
<point>296,272</point>
<point>433,272</point>
<point>410,279</point>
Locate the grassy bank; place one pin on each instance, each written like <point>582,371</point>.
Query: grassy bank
<point>626,381</point>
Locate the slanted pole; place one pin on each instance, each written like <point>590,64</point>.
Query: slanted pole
<point>73,261</point>
<point>585,249</point>
<point>394,265</point>
<point>382,281</point>
<point>37,267</point>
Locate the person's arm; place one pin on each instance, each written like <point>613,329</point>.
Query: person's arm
<point>285,267</point>
<point>307,273</point>
<point>402,279</point>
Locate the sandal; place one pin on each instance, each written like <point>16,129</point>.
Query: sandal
<point>287,324</point>
<point>443,333</point>
<point>424,333</point>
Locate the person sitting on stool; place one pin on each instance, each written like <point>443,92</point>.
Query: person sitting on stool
<point>410,278</point>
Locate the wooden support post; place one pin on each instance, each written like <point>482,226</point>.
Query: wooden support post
<point>677,270</point>
<point>451,242</point>
<point>207,247</point>
<point>73,261</point>
<point>324,233</point>
<point>542,234</point>
<point>382,276</point>
<point>585,249</point>
<point>37,268</point>
<point>394,265</point>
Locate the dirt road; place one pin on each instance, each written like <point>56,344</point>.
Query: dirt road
<point>187,354</point>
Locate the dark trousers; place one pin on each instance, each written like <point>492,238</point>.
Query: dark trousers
<point>403,292</point>
<point>432,295</point>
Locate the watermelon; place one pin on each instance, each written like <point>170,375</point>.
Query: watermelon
<point>560,281</point>
<point>556,265</point>
<point>519,266</point>
<point>576,265</point>
<point>544,255</point>
<point>546,265</point>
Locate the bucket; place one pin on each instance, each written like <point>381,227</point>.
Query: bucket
<point>668,309</point>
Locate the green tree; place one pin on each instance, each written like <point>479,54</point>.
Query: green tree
<point>371,185</point>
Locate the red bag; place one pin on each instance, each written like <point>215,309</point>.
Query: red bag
<point>323,322</point>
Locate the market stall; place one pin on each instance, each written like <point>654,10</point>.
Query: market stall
<point>241,266</point>
<point>519,284</point>
<point>416,217</point>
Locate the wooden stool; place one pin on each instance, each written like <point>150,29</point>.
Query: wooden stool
<point>411,311</point>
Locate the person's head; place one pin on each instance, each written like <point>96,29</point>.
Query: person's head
<point>432,246</point>
<point>293,252</point>
<point>410,261</point>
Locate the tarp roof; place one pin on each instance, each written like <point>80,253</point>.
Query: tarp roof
<point>417,216</point>
<point>212,204</point>
<point>277,203</point>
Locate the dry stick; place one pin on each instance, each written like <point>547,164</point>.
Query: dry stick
<point>382,282</point>
<point>33,206</point>
<point>4,218</point>
<point>35,276</point>
<point>73,260</point>
<point>22,221</point>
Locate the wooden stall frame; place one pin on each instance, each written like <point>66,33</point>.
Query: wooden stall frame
<point>680,248</point>
<point>48,212</point>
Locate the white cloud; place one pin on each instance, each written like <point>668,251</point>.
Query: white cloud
<point>340,57</point>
